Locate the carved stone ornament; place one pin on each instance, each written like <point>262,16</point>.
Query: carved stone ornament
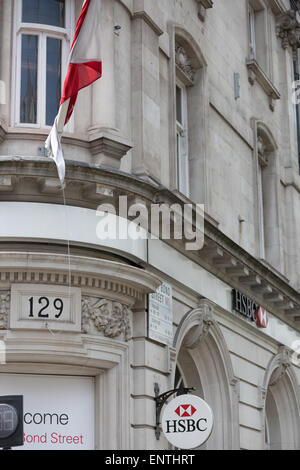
<point>284,362</point>
<point>197,334</point>
<point>203,5</point>
<point>262,153</point>
<point>183,62</point>
<point>4,309</point>
<point>113,319</point>
<point>288,29</point>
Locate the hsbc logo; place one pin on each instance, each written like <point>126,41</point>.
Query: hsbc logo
<point>185,411</point>
<point>187,421</point>
<point>186,425</point>
<point>262,318</point>
<point>249,309</point>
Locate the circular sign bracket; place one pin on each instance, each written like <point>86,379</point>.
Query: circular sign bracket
<point>160,400</point>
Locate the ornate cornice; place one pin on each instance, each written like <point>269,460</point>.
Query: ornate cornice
<point>288,30</point>
<point>112,319</point>
<point>120,282</point>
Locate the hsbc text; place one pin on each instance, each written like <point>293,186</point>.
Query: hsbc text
<point>186,425</point>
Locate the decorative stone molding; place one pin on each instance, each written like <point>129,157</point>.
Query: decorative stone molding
<point>2,132</point>
<point>262,152</point>
<point>194,326</point>
<point>278,366</point>
<point>4,309</point>
<point>143,9</point>
<point>256,74</point>
<point>113,319</point>
<point>108,148</point>
<point>283,363</point>
<point>199,333</point>
<point>203,5</point>
<point>123,283</point>
<point>277,6</point>
<point>184,64</point>
<point>288,30</point>
<point>7,184</point>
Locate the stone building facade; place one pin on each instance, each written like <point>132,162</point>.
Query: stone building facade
<point>196,106</point>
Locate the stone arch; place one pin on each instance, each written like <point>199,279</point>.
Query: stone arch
<point>192,47</point>
<point>204,361</point>
<point>281,403</point>
<point>267,135</point>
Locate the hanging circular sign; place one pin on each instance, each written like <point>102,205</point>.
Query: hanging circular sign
<point>187,422</point>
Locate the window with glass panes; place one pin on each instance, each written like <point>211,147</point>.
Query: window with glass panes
<point>182,139</point>
<point>43,31</point>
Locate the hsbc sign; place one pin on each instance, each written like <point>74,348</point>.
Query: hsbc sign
<point>249,309</point>
<point>187,422</point>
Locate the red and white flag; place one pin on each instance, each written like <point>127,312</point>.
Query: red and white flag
<point>85,67</point>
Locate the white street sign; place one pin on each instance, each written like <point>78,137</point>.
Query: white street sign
<point>161,315</point>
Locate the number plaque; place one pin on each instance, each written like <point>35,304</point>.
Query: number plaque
<point>45,307</point>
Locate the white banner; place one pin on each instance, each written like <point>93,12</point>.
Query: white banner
<point>58,410</point>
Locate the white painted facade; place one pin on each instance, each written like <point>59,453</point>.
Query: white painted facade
<point>240,154</point>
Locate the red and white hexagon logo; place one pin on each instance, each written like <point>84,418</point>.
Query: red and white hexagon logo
<point>262,318</point>
<point>185,411</point>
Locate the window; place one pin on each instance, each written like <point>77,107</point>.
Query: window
<point>182,139</point>
<point>268,197</point>
<point>43,31</point>
<point>188,109</point>
<point>258,34</point>
<point>297,107</point>
<point>252,41</point>
<point>262,164</point>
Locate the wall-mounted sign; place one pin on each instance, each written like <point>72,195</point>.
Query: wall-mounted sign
<point>38,306</point>
<point>187,422</point>
<point>58,410</point>
<point>249,308</point>
<point>160,316</point>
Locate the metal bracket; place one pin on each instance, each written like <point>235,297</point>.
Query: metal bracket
<point>160,400</point>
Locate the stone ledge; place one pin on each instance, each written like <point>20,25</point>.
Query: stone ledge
<point>255,73</point>
<point>108,148</point>
<point>153,18</point>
